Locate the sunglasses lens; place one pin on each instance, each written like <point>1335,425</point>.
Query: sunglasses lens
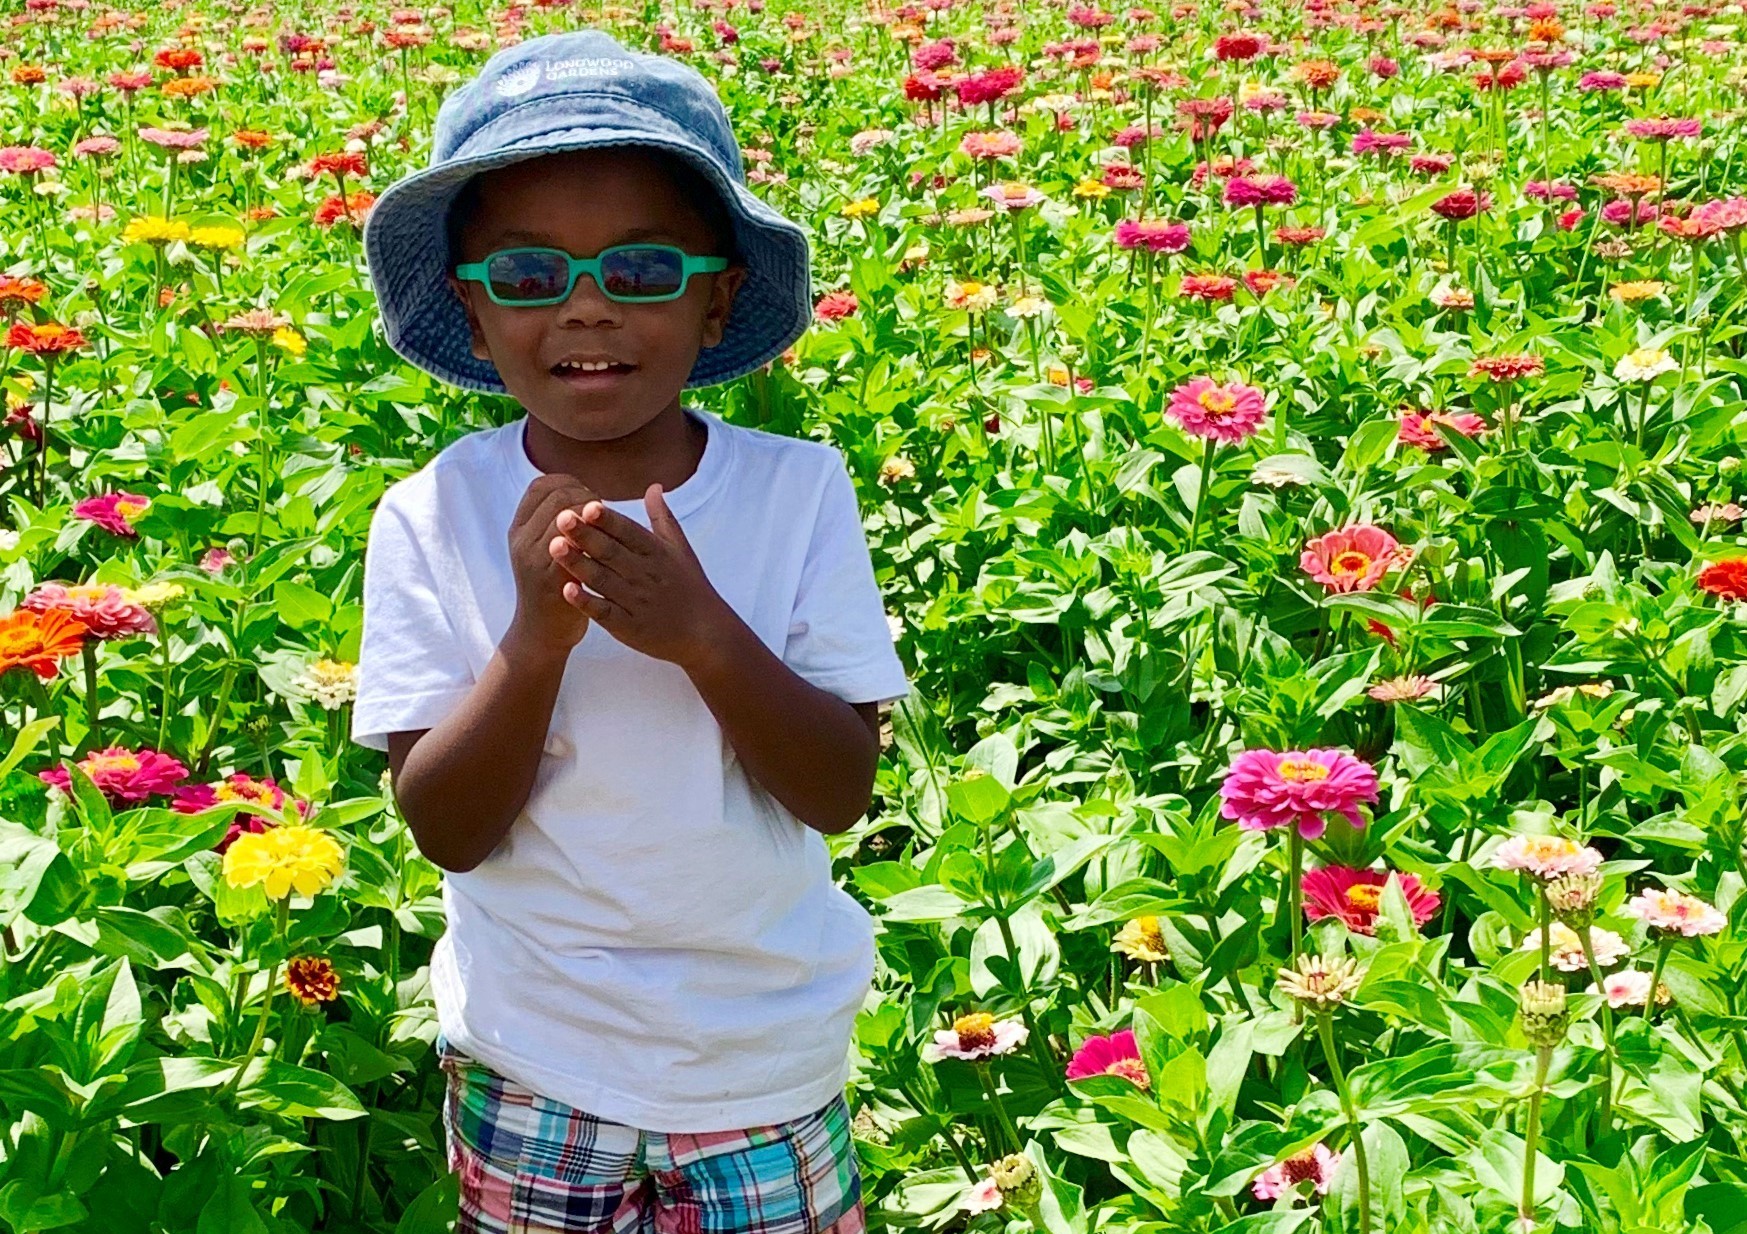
<point>643,273</point>
<point>528,276</point>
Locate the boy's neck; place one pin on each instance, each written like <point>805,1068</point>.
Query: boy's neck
<point>665,451</point>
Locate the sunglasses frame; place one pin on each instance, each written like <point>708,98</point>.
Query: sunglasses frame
<point>689,265</point>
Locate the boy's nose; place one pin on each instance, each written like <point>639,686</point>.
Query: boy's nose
<point>588,302</point>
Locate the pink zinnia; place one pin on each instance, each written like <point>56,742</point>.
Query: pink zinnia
<point>1314,1165</point>
<point>1225,413</point>
<point>102,607</point>
<point>1352,559</point>
<point>1355,895</point>
<point>1207,287</point>
<point>1158,236</point>
<point>1417,427</point>
<point>1265,789</point>
<point>96,145</point>
<point>995,145</point>
<point>114,512</point>
<point>23,160</point>
<point>121,774</point>
<point>1664,129</point>
<point>174,139</point>
<point>1546,857</point>
<point>215,560</point>
<point>1462,204</point>
<point>1260,191</point>
<point>193,798</point>
<point>1369,141</point>
<point>1113,1055</point>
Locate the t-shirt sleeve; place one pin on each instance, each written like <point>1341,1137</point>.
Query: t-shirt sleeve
<point>411,668</point>
<point>839,638</point>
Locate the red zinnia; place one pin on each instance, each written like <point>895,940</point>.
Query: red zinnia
<point>1354,896</point>
<point>1726,579</point>
<point>45,339</point>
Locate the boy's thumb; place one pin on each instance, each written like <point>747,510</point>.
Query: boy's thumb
<point>662,521</point>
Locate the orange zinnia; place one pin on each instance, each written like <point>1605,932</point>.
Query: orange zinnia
<point>39,641</point>
<point>45,339</point>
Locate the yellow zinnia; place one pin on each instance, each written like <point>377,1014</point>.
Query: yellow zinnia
<point>154,230</point>
<point>284,858</point>
<point>217,237</point>
<point>862,209</point>
<point>287,339</point>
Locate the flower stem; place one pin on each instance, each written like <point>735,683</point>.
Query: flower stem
<point>279,923</point>
<point>1201,492</point>
<point>1607,1032</point>
<point>1547,934</point>
<point>989,1087</point>
<point>1526,1209</point>
<point>1326,1030</point>
<point>1295,889</point>
<point>1662,950</point>
<point>93,704</point>
<point>958,1151</point>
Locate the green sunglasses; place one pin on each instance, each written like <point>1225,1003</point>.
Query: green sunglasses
<point>628,273</point>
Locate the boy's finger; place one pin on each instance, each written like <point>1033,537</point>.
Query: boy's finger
<point>598,608</point>
<point>597,575</point>
<point>587,538</point>
<point>597,514</point>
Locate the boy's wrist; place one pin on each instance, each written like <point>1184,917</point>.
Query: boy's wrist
<point>719,647</point>
<point>523,649</point>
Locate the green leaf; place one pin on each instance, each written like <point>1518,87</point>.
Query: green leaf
<point>434,1208</point>
<point>23,745</point>
<point>230,1210</point>
<point>300,1093</point>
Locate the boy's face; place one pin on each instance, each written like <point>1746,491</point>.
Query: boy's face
<point>582,202</point>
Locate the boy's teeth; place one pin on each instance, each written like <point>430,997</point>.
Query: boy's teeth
<point>587,367</point>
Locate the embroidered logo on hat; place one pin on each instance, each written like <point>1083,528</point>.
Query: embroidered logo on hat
<point>520,81</point>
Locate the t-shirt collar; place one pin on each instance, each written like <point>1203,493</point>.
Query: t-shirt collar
<point>687,497</point>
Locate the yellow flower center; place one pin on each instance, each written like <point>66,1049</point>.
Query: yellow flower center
<point>1217,402</point>
<point>1365,896</point>
<point>1350,562</point>
<point>99,763</point>
<point>1302,770</point>
<point>976,1029</point>
<point>253,792</point>
<point>131,510</point>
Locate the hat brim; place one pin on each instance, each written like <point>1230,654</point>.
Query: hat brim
<point>407,254</point>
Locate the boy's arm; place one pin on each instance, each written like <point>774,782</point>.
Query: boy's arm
<point>808,748</point>
<point>461,784</point>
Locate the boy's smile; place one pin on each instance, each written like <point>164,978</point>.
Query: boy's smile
<point>550,356</point>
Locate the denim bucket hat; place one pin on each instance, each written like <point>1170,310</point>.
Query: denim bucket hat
<point>575,91</point>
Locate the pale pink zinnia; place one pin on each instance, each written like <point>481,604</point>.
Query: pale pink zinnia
<point>1565,947</point>
<point>1116,1054</point>
<point>1628,988</point>
<point>1314,1165</point>
<point>974,1036</point>
<point>1675,912</point>
<point>1355,896</point>
<point>1352,559</point>
<point>1225,413</point>
<point>985,1197</point>
<point>1265,789</point>
<point>1546,857</point>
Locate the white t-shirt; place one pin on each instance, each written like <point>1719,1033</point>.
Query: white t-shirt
<point>656,940</point>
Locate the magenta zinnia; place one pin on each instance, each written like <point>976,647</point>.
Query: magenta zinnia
<point>123,775</point>
<point>1113,1055</point>
<point>1265,789</point>
<point>1354,896</point>
<point>1224,413</point>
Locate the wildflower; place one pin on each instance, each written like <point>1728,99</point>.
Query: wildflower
<point>1565,946</point>
<point>1209,410</point>
<point>340,165</point>
<point>257,322</point>
<point>1264,789</point>
<point>1014,196</point>
<point>1644,364</point>
<point>101,608</point>
<point>1713,512</point>
<point>1546,857</point>
<point>1321,981</point>
<point>1512,367</point>
<point>1261,282</point>
<point>1160,237</point>
<point>148,230</point>
<point>121,774</point>
<point>114,512</point>
<point>1116,1055</point>
<point>217,238</point>
<point>969,295</point>
<point>332,683</point>
<point>174,139</point>
<point>215,560</point>
<point>312,980</point>
<point>1675,912</point>
<point>1632,292</point>
<point>39,641</point>
<point>44,339</point>
<point>1298,235</point>
<point>974,1036</point>
<point>293,857</point>
<point>1664,128</point>
<point>995,145</point>
<point>1405,689</point>
<point>1544,1013</point>
<point>1416,427</point>
<point>1629,988</point>
<point>290,341</point>
<point>1353,558</point>
<point>1207,287</point>
<point>1453,299</point>
<point>353,207</point>
<point>1354,896</point>
<point>1315,1165</point>
<point>1462,204</point>
<point>1141,939</point>
<point>96,146</point>
<point>861,209</point>
<point>1726,579</point>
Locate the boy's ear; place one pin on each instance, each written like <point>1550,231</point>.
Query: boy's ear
<point>478,347</point>
<point>724,286</point>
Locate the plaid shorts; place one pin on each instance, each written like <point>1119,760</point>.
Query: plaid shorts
<point>532,1165</point>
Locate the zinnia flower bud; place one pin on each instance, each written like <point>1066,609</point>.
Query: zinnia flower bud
<point>1018,1180</point>
<point>1544,1013</point>
<point>1321,982</point>
<point>1573,898</point>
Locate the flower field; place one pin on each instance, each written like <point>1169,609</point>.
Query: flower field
<point>1300,446</point>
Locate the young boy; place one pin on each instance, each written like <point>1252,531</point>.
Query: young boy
<point>626,660</point>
